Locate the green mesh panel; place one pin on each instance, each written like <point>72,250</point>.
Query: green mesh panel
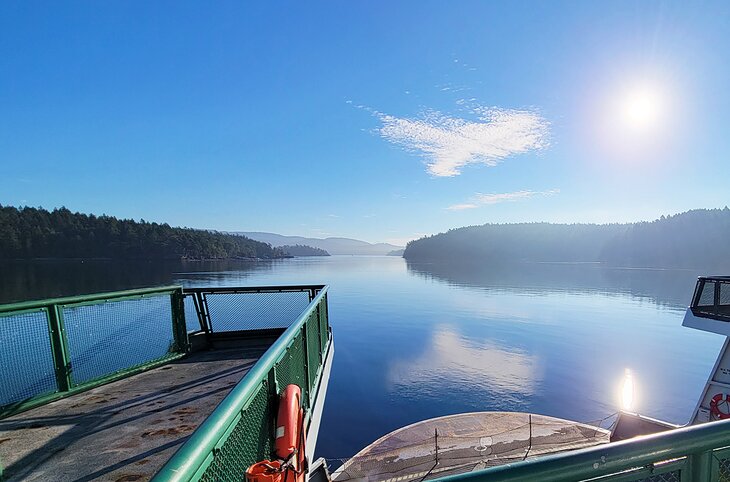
<point>724,475</point>
<point>25,357</point>
<point>313,349</point>
<point>255,311</point>
<point>291,369</point>
<point>113,336</point>
<point>249,442</point>
<point>673,476</point>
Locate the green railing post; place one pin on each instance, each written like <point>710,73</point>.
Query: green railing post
<point>179,328</point>
<point>59,348</point>
<point>305,346</point>
<point>700,466</point>
<point>319,331</point>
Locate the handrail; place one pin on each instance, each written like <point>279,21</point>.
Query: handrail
<point>254,289</point>
<point>68,300</point>
<point>185,464</point>
<point>61,352</point>
<point>610,459</point>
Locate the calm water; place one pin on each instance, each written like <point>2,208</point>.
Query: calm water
<point>420,341</point>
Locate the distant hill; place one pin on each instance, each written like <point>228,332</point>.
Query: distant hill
<point>695,239</point>
<point>396,252</point>
<point>303,250</point>
<point>37,233</point>
<point>331,245</point>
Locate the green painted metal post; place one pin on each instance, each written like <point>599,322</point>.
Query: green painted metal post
<point>59,348</point>
<point>319,333</point>
<point>179,328</point>
<point>700,466</point>
<point>305,347</point>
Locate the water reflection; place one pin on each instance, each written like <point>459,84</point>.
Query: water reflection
<point>29,280</point>
<point>484,364</point>
<point>671,287</point>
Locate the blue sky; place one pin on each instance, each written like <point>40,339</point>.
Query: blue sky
<point>374,120</point>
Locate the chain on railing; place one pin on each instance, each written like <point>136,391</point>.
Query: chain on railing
<point>52,348</point>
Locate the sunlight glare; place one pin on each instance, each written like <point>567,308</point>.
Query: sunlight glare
<point>641,108</point>
<point>627,391</point>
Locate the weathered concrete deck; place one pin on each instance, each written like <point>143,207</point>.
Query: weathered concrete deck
<point>126,430</point>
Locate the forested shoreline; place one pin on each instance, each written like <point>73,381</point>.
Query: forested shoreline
<point>29,233</point>
<point>694,239</point>
<point>302,250</point>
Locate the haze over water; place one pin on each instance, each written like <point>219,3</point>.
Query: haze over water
<point>420,341</point>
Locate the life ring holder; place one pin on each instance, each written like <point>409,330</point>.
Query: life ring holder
<point>715,406</point>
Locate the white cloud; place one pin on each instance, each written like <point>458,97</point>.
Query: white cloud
<point>449,143</point>
<point>480,199</point>
<point>461,207</point>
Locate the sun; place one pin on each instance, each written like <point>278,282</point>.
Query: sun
<point>641,108</point>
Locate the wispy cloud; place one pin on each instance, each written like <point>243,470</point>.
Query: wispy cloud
<point>461,207</point>
<point>450,143</point>
<point>480,199</point>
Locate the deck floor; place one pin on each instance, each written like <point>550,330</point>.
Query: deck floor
<point>124,431</point>
<point>465,442</point>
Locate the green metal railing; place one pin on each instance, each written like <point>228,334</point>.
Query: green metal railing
<point>700,453</point>
<point>240,431</point>
<point>53,348</point>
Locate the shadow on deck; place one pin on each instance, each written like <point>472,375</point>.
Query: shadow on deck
<point>126,430</point>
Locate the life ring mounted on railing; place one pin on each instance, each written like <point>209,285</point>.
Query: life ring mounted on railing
<point>720,406</point>
<point>289,443</point>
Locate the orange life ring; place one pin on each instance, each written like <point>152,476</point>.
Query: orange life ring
<point>287,422</point>
<point>289,443</point>
<point>715,409</point>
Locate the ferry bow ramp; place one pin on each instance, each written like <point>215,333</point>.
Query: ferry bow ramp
<point>465,442</point>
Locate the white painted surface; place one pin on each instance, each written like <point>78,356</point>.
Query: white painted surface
<point>316,417</point>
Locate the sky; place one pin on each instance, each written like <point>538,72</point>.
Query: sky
<point>381,121</point>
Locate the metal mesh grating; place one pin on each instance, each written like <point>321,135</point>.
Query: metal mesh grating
<point>313,348</point>
<point>192,322</point>
<point>724,472</point>
<point>255,311</point>
<point>25,357</point>
<point>249,442</point>
<point>724,294</point>
<point>707,297</point>
<point>113,336</point>
<point>673,476</point>
<point>291,369</point>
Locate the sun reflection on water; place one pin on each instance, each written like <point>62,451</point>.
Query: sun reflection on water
<point>627,391</point>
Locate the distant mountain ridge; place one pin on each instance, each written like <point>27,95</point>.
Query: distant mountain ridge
<point>331,245</point>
